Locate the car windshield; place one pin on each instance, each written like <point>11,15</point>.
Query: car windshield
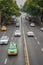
<point>4,37</point>
<point>12,46</point>
<point>17,31</point>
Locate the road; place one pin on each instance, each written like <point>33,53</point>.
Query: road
<point>15,60</point>
<point>34,44</point>
<point>12,60</point>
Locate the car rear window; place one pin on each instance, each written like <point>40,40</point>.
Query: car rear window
<point>12,46</point>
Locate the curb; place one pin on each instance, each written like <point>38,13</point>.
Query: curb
<point>25,49</point>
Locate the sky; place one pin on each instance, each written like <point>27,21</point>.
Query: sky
<point>20,2</point>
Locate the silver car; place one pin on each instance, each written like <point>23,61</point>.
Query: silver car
<point>17,33</point>
<point>32,25</point>
<point>30,34</point>
<point>4,40</point>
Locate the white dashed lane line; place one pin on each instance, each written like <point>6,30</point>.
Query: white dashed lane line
<point>38,42</point>
<point>5,61</point>
<point>42,49</point>
<point>36,38</point>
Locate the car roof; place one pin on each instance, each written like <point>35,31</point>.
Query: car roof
<point>17,30</point>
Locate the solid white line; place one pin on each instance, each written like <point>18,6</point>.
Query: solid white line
<point>36,38</point>
<point>42,49</point>
<point>5,61</point>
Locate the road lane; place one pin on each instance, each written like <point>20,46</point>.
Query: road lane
<point>16,60</point>
<point>19,59</point>
<point>3,48</point>
<point>35,49</point>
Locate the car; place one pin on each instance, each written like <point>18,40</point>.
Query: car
<point>4,40</point>
<point>30,34</point>
<point>17,24</point>
<point>17,33</point>
<point>12,49</point>
<point>3,28</point>
<point>42,29</point>
<point>13,19</point>
<point>32,25</point>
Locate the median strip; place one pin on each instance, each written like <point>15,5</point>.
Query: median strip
<point>25,49</point>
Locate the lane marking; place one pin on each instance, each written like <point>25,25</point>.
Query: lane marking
<point>5,61</point>
<point>42,49</point>
<point>38,42</point>
<point>36,38</point>
<point>26,51</point>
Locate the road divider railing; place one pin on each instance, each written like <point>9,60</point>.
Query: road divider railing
<point>25,49</point>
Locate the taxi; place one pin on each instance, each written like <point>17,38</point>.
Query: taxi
<point>12,49</point>
<point>3,28</point>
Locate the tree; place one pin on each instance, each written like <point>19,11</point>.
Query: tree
<point>8,8</point>
<point>34,7</point>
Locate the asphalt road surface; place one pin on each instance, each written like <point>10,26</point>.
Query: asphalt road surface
<point>12,60</point>
<point>34,44</point>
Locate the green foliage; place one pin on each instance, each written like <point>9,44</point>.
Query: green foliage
<point>34,7</point>
<point>8,8</point>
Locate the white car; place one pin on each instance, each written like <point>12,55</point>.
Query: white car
<point>13,18</point>
<point>17,33</point>
<point>30,34</point>
<point>4,40</point>
<point>42,29</point>
<point>32,24</point>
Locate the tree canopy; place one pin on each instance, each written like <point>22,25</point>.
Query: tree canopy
<point>34,7</point>
<point>8,8</point>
